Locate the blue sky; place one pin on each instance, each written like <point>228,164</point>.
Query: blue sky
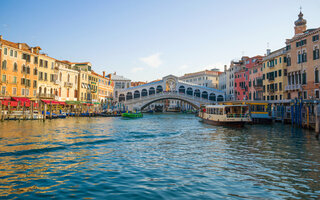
<point>146,40</point>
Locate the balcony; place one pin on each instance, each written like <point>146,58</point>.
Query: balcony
<point>68,84</point>
<point>293,87</point>
<point>43,95</point>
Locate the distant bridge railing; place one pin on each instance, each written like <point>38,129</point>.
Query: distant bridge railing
<point>174,94</point>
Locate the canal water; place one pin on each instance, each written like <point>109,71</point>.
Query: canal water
<point>167,156</point>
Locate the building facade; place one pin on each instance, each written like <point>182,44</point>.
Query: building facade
<point>206,78</point>
<point>120,83</point>
<point>275,75</point>
<point>303,62</point>
<point>66,80</point>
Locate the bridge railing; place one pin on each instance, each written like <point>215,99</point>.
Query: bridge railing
<point>172,93</point>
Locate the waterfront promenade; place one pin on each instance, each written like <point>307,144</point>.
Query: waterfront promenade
<point>166,156</point>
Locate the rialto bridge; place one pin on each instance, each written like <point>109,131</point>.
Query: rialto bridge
<point>170,87</point>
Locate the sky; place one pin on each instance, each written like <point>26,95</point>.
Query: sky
<point>145,40</point>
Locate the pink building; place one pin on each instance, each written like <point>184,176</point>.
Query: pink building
<point>256,81</point>
<point>243,85</point>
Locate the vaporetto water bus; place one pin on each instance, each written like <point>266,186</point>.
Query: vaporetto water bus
<point>226,115</point>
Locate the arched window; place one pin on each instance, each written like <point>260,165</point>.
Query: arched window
<point>45,91</point>
<point>60,77</point>
<point>144,93</point>
<point>204,95</point>
<point>212,97</point>
<point>40,90</point>
<point>76,79</point>
<point>68,93</point>
<point>152,91</point>
<point>197,93</point>
<point>68,77</point>
<point>24,69</point>
<point>220,98</point>
<point>4,64</point>
<point>122,97</point>
<point>129,96</point>
<point>316,75</point>
<point>159,89</point>
<point>304,78</point>
<point>189,91</point>
<point>316,53</point>
<point>182,89</point>
<point>15,67</point>
<point>136,94</point>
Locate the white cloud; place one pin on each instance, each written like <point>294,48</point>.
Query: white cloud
<point>137,69</point>
<point>153,60</point>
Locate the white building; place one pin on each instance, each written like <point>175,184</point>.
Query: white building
<point>223,80</point>
<point>120,83</point>
<point>206,78</point>
<point>235,66</point>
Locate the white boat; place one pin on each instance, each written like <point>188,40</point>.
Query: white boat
<point>227,115</point>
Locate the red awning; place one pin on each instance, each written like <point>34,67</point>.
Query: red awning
<point>53,102</point>
<point>23,99</point>
<point>12,103</point>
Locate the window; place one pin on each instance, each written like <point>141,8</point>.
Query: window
<point>14,79</point>
<point>280,86</point>
<point>51,77</point>
<point>22,91</point>
<point>26,57</point>
<point>317,94</point>
<point>316,76</point>
<point>45,76</point>
<point>41,63</point>
<point>280,73</point>
<point>35,60</point>
<point>52,65</point>
<point>304,57</point>
<point>305,95</point>
<point>288,61</point>
<point>275,74</point>
<point>35,71</point>
<point>3,90</point>
<point>285,73</point>
<point>4,64</point>
<point>288,47</point>
<point>45,64</point>
<point>280,60</point>
<point>316,53</point>
<point>34,93</point>
<point>23,81</point>
<point>5,51</point>
<point>11,52</point>
<point>304,78</point>
<point>14,91</point>
<point>315,38</point>
<point>15,54</point>
<point>301,43</point>
<point>28,70</point>
<point>40,75</point>
<point>15,67</point>
<point>34,84</point>
<point>4,78</point>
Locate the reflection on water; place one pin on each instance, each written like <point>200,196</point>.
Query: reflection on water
<point>156,157</point>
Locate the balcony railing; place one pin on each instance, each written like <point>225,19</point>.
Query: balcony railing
<point>293,87</point>
<point>68,84</point>
<point>43,95</point>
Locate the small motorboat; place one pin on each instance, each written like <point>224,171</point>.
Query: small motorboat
<point>132,115</point>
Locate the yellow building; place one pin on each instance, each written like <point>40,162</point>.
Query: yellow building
<point>105,88</point>
<point>93,85</point>
<point>274,75</point>
<point>84,70</point>
<point>19,69</point>
<point>46,81</point>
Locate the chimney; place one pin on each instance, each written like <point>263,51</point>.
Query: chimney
<point>19,46</point>
<point>268,51</point>
<point>1,37</point>
<point>104,74</point>
<point>225,68</point>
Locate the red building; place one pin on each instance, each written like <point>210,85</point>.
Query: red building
<point>242,77</point>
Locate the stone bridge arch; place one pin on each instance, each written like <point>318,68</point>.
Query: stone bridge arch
<point>170,98</point>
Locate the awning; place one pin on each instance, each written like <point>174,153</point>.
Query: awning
<point>73,102</point>
<point>23,99</point>
<point>12,103</point>
<point>50,102</point>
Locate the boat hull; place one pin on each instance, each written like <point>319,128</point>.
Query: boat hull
<point>224,123</point>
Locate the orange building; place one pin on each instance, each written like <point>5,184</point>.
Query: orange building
<point>303,62</point>
<point>18,69</point>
